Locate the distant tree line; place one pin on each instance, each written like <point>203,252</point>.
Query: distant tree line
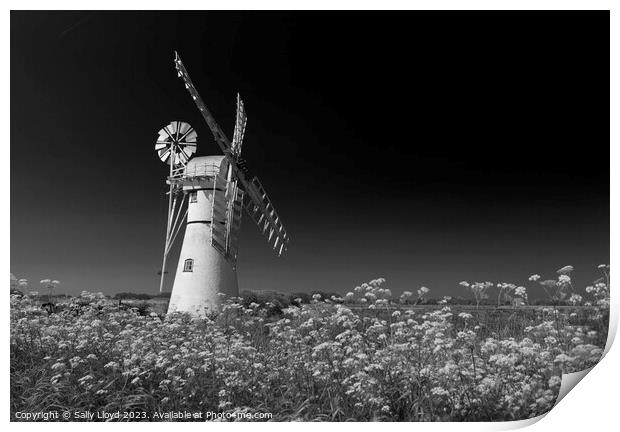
<point>465,301</point>
<point>279,300</point>
<point>140,296</point>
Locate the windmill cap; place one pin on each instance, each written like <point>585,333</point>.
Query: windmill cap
<point>205,166</point>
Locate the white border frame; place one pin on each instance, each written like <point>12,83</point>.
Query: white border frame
<point>592,406</point>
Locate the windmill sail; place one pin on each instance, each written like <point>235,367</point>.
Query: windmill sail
<point>240,123</point>
<point>218,133</point>
<point>233,219</point>
<point>259,206</point>
<point>261,210</point>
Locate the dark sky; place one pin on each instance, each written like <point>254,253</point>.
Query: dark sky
<point>423,147</point>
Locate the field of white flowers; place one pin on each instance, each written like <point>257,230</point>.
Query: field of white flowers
<point>361,357</point>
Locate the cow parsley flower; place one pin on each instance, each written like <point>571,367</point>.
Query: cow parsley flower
<point>564,279</point>
<point>565,270</point>
<point>521,292</point>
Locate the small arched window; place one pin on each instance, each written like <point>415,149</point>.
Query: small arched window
<point>193,197</point>
<point>189,265</point>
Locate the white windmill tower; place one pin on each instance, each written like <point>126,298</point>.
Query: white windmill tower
<point>218,191</point>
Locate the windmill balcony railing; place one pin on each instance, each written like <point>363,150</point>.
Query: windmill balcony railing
<point>195,170</point>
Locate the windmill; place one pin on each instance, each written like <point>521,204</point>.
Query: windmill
<point>217,191</point>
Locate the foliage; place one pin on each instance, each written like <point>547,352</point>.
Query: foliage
<point>362,357</point>
<point>132,296</point>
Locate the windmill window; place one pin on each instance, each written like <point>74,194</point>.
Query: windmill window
<point>193,197</point>
<point>189,265</point>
